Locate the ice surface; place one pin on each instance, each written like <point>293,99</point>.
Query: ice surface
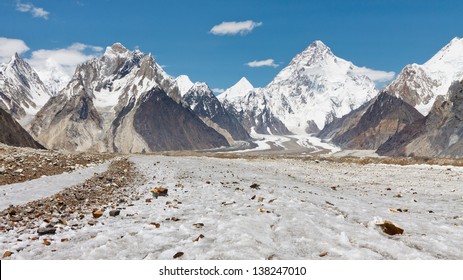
<point>306,208</point>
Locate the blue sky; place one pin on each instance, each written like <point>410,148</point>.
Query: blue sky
<point>382,35</point>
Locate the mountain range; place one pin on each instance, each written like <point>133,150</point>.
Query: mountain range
<point>125,102</point>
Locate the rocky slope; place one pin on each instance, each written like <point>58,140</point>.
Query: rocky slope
<point>205,104</point>
<point>22,93</point>
<point>440,133</point>
<point>311,91</point>
<point>108,106</point>
<point>419,85</point>
<point>13,134</point>
<point>372,124</point>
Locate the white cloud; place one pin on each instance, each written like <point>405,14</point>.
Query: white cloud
<point>8,47</point>
<point>262,63</point>
<point>65,59</point>
<point>376,76</point>
<point>218,90</point>
<point>234,27</point>
<point>33,10</point>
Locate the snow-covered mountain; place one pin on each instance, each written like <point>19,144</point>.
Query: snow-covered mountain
<point>310,92</point>
<point>22,93</point>
<point>205,104</point>
<point>419,85</point>
<point>238,90</point>
<point>123,102</point>
<point>184,84</point>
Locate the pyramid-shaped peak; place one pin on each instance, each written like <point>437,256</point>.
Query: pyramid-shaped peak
<point>317,44</point>
<point>184,84</point>
<point>315,53</point>
<point>244,83</point>
<point>119,48</point>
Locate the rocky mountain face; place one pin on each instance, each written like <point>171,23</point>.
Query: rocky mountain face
<point>372,124</point>
<point>419,85</point>
<point>13,134</point>
<point>22,93</point>
<point>314,89</point>
<point>440,133</point>
<point>102,106</point>
<point>205,104</point>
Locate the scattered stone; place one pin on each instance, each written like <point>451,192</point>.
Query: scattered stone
<point>323,254</point>
<point>391,229</point>
<point>260,199</point>
<point>46,242</point>
<point>7,254</point>
<point>114,213</point>
<point>261,209</point>
<point>159,192</point>
<point>228,203</point>
<point>329,203</point>
<point>199,238</point>
<point>48,229</point>
<point>254,186</point>
<point>97,213</point>
<point>12,211</point>
<point>398,195</point>
<point>198,225</point>
<point>388,189</point>
<point>155,224</point>
<point>334,188</point>
<point>64,239</point>
<point>148,200</point>
<point>431,212</point>
<point>272,200</point>
<point>253,197</point>
<point>178,255</point>
<point>92,222</point>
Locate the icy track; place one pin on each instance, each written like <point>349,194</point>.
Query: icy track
<point>21,193</point>
<point>300,210</point>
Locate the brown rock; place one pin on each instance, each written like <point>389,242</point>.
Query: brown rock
<point>64,239</point>
<point>148,200</point>
<point>97,213</point>
<point>159,192</point>
<point>178,255</point>
<point>391,229</point>
<point>7,254</point>
<point>46,242</point>
<point>254,186</point>
<point>198,225</point>
<point>156,225</point>
<point>323,254</point>
<point>199,238</point>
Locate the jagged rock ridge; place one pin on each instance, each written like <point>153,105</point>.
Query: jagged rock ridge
<point>440,133</point>
<point>372,124</point>
<point>22,93</point>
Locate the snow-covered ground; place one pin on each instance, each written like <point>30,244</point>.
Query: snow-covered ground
<point>300,209</point>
